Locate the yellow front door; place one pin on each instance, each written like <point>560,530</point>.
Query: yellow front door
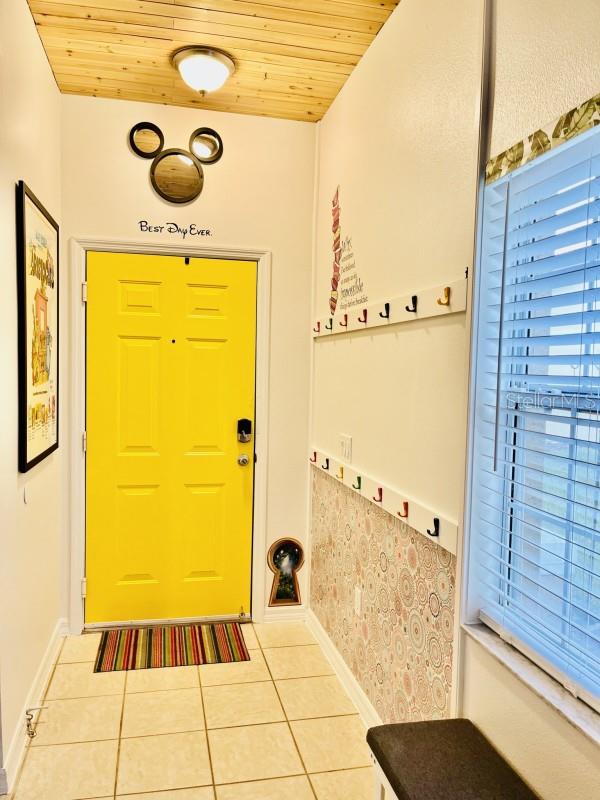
<point>170,371</point>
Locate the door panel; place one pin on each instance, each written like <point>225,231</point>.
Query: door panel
<point>170,370</point>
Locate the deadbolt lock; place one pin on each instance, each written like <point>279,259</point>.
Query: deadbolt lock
<point>244,430</point>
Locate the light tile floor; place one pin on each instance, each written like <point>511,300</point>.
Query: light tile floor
<point>279,725</point>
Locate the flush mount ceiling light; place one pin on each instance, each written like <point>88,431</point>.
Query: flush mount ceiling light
<point>204,69</point>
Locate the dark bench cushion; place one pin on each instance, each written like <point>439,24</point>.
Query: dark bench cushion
<point>444,760</point>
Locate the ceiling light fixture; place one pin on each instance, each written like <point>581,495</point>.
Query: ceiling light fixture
<point>204,69</point>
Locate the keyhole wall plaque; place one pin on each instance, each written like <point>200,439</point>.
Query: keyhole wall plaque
<point>285,558</point>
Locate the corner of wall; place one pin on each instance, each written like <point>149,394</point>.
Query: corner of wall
<point>16,750</point>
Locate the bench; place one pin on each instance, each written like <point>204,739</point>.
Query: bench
<point>441,760</point>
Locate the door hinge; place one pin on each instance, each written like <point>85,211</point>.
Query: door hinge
<point>84,292</point>
<point>84,441</point>
<point>83,588</point>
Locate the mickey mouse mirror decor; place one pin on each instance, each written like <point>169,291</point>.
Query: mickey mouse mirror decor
<point>146,139</point>
<point>176,174</point>
<point>285,558</point>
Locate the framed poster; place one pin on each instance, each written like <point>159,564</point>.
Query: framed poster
<point>37,296</point>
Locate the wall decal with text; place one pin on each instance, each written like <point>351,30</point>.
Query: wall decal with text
<point>346,284</point>
<point>174,229</point>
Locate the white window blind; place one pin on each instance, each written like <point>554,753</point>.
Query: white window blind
<point>535,524</point>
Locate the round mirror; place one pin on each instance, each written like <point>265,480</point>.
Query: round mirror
<point>206,145</point>
<point>146,139</point>
<point>177,176</point>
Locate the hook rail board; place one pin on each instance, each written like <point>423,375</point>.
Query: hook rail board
<point>450,298</point>
<point>423,519</point>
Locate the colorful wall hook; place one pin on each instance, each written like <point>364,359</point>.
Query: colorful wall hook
<point>414,300</point>
<point>364,316</point>
<point>344,324</point>
<point>340,474</point>
<point>404,512</point>
<point>444,300</point>
<point>318,328</point>
<point>378,498</point>
<point>313,458</point>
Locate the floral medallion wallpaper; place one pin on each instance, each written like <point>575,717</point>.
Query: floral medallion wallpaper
<point>400,648</point>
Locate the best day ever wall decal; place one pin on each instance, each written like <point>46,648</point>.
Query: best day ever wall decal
<point>174,229</point>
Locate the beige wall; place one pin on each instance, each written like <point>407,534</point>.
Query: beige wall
<point>556,760</point>
<point>30,535</point>
<point>400,141</point>
<point>546,61</point>
<point>260,195</point>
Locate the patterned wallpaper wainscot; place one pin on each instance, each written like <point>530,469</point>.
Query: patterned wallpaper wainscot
<point>400,647</point>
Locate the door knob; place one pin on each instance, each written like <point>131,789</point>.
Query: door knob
<point>243,460</point>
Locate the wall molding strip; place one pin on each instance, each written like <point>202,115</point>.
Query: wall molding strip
<point>366,710</point>
<point>416,514</point>
<point>393,310</point>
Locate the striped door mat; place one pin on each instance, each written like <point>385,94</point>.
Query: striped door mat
<point>170,646</point>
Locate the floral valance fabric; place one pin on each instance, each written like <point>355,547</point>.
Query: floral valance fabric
<point>576,121</point>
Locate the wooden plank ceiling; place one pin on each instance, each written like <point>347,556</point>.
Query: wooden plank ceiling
<point>292,58</point>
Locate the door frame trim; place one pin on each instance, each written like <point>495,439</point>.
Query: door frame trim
<point>78,248</point>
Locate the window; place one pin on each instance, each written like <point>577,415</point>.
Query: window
<point>535,499</point>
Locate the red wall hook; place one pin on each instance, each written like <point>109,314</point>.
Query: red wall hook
<point>404,512</point>
<point>364,316</point>
<point>379,496</point>
<point>318,328</point>
<point>344,324</point>
<point>314,457</point>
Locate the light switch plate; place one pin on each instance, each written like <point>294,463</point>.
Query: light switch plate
<point>346,448</point>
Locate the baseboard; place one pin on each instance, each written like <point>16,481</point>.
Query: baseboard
<point>367,711</point>
<point>284,614</point>
<point>18,744</point>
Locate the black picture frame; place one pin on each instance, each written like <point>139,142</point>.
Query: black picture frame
<point>48,345</point>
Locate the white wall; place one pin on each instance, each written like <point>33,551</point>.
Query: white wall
<point>259,195</point>
<point>400,141</point>
<point>553,757</point>
<point>546,61</point>
<point>30,535</point>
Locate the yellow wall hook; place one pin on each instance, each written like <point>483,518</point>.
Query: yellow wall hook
<point>445,300</point>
